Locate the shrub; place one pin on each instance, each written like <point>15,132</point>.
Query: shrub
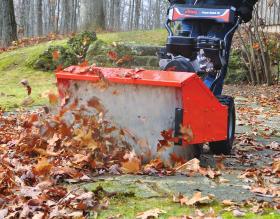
<point>59,56</point>
<point>110,55</point>
<point>97,48</point>
<point>54,57</point>
<point>236,71</point>
<point>81,42</point>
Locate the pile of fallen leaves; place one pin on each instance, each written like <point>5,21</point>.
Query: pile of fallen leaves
<point>263,182</point>
<point>31,41</point>
<point>41,152</point>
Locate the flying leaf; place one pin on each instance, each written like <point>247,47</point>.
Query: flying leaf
<point>85,138</point>
<point>187,133</point>
<point>25,83</point>
<point>95,103</point>
<point>53,98</point>
<point>177,159</point>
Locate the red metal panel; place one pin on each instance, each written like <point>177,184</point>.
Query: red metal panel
<point>126,76</point>
<point>203,112</point>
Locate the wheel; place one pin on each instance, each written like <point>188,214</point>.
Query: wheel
<point>198,149</point>
<point>225,147</point>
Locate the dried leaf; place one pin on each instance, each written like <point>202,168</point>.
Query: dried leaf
<point>27,101</point>
<point>95,103</point>
<point>153,213</point>
<point>56,55</point>
<point>276,166</point>
<point>84,64</point>
<point>3,213</point>
<point>190,166</point>
<point>84,137</point>
<point>187,133</point>
<point>223,180</point>
<point>196,199</point>
<point>133,164</point>
<point>112,55</point>
<point>156,163</point>
<point>228,203</point>
<point>238,213</point>
<point>260,190</point>
<point>25,83</point>
<point>31,192</point>
<point>53,98</point>
<point>42,168</point>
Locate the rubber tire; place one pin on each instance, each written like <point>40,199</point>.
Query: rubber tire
<point>198,150</point>
<point>225,147</point>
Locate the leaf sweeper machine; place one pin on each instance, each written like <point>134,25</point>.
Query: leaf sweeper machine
<point>168,112</point>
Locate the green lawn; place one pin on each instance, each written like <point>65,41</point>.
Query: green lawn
<point>153,37</point>
<point>16,65</point>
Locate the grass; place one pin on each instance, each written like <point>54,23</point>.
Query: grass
<point>128,202</point>
<point>129,207</point>
<point>16,66</point>
<point>153,37</point>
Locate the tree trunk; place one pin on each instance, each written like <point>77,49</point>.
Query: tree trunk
<point>99,15</point>
<point>8,26</point>
<point>57,18</point>
<point>137,13</point>
<point>117,13</point>
<point>65,16</point>
<point>39,22</point>
<point>132,14</point>
<point>52,16</point>
<point>157,14</point>
<point>263,49</point>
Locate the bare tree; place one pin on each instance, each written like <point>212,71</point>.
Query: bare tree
<point>8,25</point>
<point>137,13</point>
<point>39,18</point>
